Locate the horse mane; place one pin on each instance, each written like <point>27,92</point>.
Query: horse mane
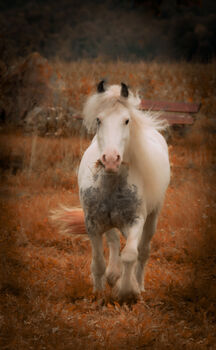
<point>111,99</point>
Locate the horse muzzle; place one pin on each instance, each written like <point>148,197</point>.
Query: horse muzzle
<point>111,161</point>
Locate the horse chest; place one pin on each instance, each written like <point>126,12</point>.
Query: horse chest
<point>110,202</point>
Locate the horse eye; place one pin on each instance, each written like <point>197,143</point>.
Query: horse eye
<point>98,121</point>
<point>126,121</point>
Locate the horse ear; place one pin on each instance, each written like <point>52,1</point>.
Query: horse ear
<point>100,87</point>
<point>124,90</point>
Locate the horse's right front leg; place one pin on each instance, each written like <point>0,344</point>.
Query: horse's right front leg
<point>98,265</point>
<point>113,270</point>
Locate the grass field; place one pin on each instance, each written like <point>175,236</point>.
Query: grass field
<point>46,297</point>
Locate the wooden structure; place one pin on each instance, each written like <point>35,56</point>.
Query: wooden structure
<point>174,112</point>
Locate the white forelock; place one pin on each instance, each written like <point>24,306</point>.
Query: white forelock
<point>110,100</point>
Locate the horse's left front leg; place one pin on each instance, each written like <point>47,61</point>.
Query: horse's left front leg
<point>144,246</point>
<point>127,286</point>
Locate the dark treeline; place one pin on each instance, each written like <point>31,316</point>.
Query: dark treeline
<point>111,29</point>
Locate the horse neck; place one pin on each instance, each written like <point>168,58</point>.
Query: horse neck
<point>138,154</point>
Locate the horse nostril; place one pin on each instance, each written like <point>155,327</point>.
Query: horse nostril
<point>118,158</point>
<point>104,158</point>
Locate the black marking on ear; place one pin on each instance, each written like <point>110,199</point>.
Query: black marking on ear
<point>100,87</point>
<point>124,90</point>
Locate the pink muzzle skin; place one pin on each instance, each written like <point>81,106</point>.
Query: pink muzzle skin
<point>111,161</point>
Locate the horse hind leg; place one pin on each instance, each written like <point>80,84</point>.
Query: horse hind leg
<point>113,270</point>
<point>144,247</point>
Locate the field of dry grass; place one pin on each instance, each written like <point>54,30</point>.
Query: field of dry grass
<point>46,298</point>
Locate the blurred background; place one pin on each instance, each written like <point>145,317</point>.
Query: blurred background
<point>128,30</point>
<point>52,55</point>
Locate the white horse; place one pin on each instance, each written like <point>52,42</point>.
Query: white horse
<point>123,176</point>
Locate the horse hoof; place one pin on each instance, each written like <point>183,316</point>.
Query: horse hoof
<point>129,297</point>
<point>142,288</point>
<point>99,284</point>
<point>112,278</point>
<point>128,294</point>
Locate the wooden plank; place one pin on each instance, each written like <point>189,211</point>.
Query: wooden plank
<point>177,118</point>
<point>170,106</point>
<point>77,117</point>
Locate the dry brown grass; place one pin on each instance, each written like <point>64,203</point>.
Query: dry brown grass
<point>170,81</point>
<point>46,297</point>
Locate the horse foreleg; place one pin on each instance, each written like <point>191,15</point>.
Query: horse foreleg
<point>127,286</point>
<point>113,269</point>
<point>98,265</point>
<point>144,247</point>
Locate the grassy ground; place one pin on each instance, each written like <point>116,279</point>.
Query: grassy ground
<point>46,297</point>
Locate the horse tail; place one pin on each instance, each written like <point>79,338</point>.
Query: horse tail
<point>69,220</point>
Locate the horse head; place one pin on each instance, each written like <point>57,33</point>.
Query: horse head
<point>113,130</point>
